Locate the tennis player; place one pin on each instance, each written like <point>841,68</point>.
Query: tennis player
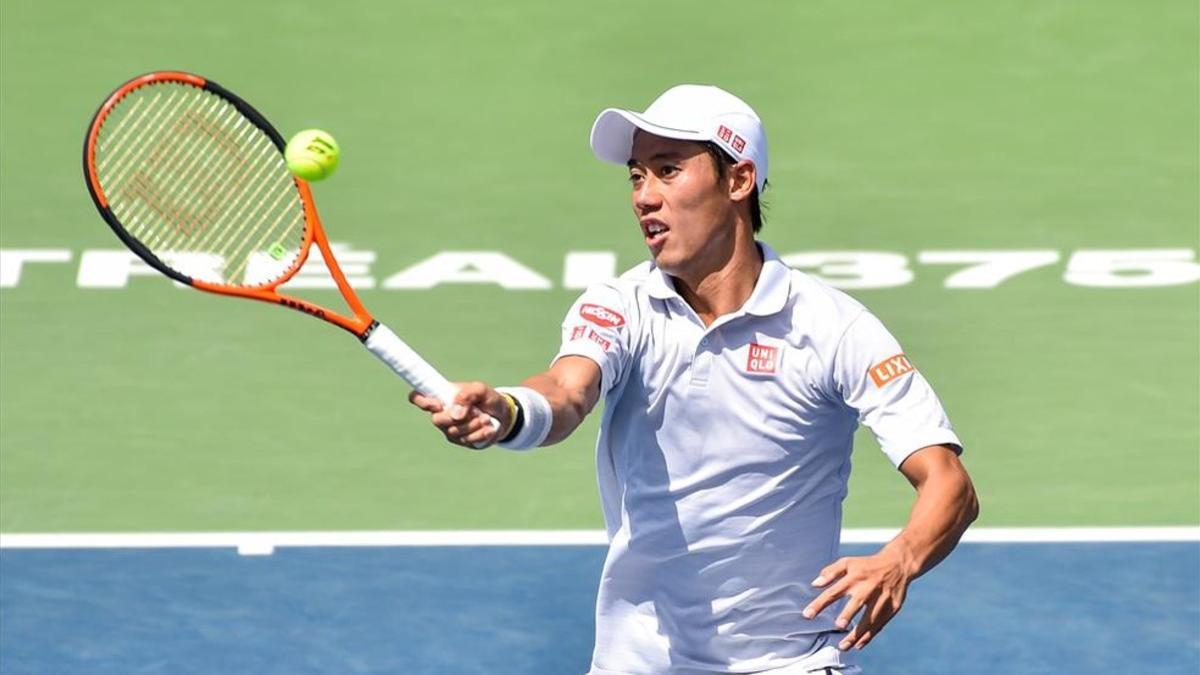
<point>732,387</point>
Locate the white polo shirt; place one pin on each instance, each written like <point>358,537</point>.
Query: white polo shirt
<point>723,458</point>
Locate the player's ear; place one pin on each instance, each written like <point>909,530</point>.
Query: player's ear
<point>741,180</point>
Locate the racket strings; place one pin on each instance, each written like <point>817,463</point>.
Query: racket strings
<point>193,204</point>
<point>199,185</point>
<point>199,199</point>
<point>214,181</point>
<point>188,216</point>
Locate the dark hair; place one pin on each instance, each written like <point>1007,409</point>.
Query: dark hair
<point>722,161</point>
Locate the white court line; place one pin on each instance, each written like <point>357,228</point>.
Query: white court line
<point>263,543</point>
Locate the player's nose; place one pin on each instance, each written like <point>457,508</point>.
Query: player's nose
<point>646,197</point>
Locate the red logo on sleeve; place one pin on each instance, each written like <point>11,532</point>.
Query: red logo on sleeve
<point>601,316</point>
<point>762,359</point>
<point>581,332</point>
<point>893,368</point>
<point>598,339</point>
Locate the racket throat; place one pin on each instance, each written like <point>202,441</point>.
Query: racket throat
<point>366,334</point>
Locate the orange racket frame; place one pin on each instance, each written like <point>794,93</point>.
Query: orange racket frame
<point>360,323</point>
<point>377,338</point>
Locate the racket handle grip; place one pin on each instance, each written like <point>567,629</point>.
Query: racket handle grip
<point>408,364</point>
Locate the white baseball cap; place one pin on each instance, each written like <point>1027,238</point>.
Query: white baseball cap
<point>691,112</point>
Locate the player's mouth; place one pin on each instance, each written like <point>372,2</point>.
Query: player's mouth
<point>655,232</point>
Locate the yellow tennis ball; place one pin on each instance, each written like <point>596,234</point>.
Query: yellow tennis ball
<point>312,154</point>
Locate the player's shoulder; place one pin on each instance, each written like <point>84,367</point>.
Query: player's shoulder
<point>818,311</point>
<point>637,275</point>
<point>615,301</point>
<point>628,284</point>
<point>816,296</point>
<point>627,287</point>
<point>811,297</point>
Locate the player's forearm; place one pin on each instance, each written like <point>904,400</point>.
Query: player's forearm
<point>945,506</point>
<point>569,405</point>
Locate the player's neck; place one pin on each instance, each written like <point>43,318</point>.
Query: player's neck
<point>725,287</point>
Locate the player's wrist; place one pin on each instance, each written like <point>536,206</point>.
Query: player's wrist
<point>903,556</point>
<point>531,424</point>
<point>514,420</point>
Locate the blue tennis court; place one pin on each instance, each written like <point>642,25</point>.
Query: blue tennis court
<point>990,609</point>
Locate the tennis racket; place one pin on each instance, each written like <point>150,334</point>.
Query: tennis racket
<point>193,180</point>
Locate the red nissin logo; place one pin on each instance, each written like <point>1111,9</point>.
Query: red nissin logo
<point>601,316</point>
<point>894,367</point>
<point>762,359</point>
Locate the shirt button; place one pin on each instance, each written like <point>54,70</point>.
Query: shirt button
<point>704,342</point>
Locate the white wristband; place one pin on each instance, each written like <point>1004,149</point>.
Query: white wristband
<point>538,418</point>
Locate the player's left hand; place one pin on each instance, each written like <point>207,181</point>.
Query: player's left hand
<point>875,584</point>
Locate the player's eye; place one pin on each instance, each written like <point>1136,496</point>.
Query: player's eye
<point>635,178</point>
<point>668,170</point>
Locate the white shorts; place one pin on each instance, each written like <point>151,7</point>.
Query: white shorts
<point>826,660</point>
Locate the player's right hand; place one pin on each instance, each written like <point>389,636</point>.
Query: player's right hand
<point>466,422</point>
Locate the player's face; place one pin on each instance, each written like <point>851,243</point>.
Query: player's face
<point>683,207</point>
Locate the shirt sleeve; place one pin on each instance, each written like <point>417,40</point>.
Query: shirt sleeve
<point>597,327</point>
<point>873,376</point>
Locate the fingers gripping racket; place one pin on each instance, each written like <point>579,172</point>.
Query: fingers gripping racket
<point>193,180</point>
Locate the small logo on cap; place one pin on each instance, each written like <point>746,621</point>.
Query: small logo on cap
<point>738,143</point>
<point>724,133</point>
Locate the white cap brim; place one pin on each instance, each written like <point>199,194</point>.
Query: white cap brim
<point>613,130</point>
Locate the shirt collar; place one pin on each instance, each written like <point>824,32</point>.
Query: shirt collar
<point>770,293</point>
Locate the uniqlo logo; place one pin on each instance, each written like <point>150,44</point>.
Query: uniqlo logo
<point>724,133</point>
<point>577,332</point>
<point>894,367</point>
<point>762,359</point>
<point>738,143</point>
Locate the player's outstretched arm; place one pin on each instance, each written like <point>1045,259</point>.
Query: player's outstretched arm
<point>571,387</point>
<point>877,584</point>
